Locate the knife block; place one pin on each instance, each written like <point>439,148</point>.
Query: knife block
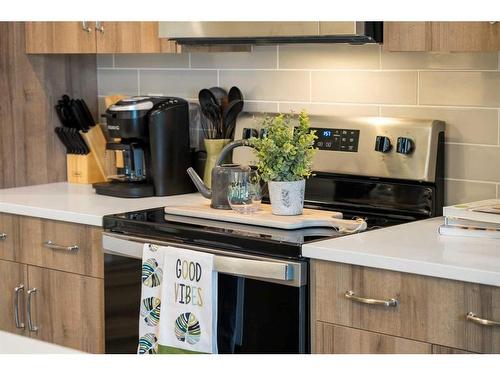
<point>83,169</point>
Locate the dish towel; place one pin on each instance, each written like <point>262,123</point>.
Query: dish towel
<point>178,312</point>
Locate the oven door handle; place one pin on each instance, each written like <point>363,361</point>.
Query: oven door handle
<point>291,273</point>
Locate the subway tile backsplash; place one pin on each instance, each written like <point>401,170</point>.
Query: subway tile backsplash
<point>462,89</point>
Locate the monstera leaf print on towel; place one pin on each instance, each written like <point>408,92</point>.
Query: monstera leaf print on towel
<point>187,328</point>
<point>150,311</point>
<point>151,273</point>
<point>148,344</point>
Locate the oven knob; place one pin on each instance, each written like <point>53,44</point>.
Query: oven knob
<point>249,133</point>
<point>405,146</point>
<point>382,144</point>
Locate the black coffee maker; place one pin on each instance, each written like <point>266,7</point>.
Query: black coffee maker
<point>153,144</point>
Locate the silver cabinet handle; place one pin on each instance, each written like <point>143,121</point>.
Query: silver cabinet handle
<point>493,22</point>
<point>99,27</point>
<point>17,290</point>
<point>51,245</point>
<point>85,27</point>
<point>31,326</point>
<point>392,302</point>
<point>484,322</point>
<point>3,236</point>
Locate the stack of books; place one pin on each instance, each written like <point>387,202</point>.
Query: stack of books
<point>476,219</point>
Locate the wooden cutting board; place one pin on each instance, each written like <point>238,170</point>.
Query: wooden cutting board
<point>263,217</point>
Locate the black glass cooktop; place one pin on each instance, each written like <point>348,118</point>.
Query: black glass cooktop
<point>155,224</point>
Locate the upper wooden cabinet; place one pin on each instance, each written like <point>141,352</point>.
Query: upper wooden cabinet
<point>95,37</point>
<point>60,37</point>
<point>442,36</point>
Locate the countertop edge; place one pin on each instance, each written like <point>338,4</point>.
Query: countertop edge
<point>402,265</point>
<point>51,214</point>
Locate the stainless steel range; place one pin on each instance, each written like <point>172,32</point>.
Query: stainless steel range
<point>388,171</point>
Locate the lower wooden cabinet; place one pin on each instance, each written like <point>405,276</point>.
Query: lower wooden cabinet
<point>67,309</point>
<point>334,339</point>
<point>425,309</point>
<point>13,284</point>
<point>52,293</point>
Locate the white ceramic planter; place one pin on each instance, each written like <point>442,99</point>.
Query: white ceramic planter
<point>287,197</point>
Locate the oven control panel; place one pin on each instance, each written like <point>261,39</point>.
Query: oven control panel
<point>337,139</point>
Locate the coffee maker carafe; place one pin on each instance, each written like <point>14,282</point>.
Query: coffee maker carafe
<point>152,140</point>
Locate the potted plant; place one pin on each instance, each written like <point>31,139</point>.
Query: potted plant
<point>284,160</point>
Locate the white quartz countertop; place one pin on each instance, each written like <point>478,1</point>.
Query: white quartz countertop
<point>78,203</point>
<point>16,344</point>
<point>416,248</point>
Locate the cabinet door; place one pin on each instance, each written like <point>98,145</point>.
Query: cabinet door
<point>60,37</point>
<point>407,36</point>
<point>9,234</point>
<point>333,339</point>
<point>12,275</point>
<point>465,36</point>
<point>86,259</point>
<point>67,309</point>
<point>128,37</point>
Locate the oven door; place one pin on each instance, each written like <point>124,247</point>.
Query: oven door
<point>262,302</point>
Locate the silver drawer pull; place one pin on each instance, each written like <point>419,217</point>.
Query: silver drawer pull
<point>3,236</point>
<point>85,27</point>
<point>53,246</point>
<point>99,27</point>
<point>31,326</point>
<point>392,302</point>
<point>484,322</point>
<point>18,289</point>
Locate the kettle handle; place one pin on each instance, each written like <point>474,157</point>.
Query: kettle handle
<point>229,147</point>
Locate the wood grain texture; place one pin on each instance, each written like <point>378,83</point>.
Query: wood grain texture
<point>437,349</point>
<point>128,37</point>
<point>68,309</point>
<point>34,232</point>
<point>333,339</point>
<point>30,152</point>
<point>465,36</point>
<point>407,36</point>
<point>430,309</point>
<point>60,37</point>
<point>9,225</point>
<point>12,275</point>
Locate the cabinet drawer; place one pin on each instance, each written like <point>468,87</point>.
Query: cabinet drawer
<point>9,232</point>
<point>333,339</point>
<point>84,258</point>
<point>428,309</point>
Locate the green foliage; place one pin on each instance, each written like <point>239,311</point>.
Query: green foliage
<point>285,153</point>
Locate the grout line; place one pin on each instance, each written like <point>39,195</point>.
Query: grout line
<point>138,82</point>
<point>380,57</point>
<point>471,144</point>
<point>498,127</point>
<point>353,70</point>
<point>218,77</point>
<point>114,65</point>
<point>278,107</point>
<point>189,60</point>
<point>277,57</point>
<point>418,87</point>
<point>310,87</point>
<point>473,181</point>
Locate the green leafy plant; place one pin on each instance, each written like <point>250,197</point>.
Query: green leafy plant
<point>285,152</point>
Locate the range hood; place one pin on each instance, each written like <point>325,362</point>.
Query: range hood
<point>258,33</point>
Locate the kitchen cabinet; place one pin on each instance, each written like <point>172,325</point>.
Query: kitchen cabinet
<point>9,232</point>
<point>67,309</point>
<point>442,36</point>
<point>13,285</point>
<point>334,339</point>
<point>95,37</point>
<point>60,37</point>
<point>56,271</point>
<point>419,308</point>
